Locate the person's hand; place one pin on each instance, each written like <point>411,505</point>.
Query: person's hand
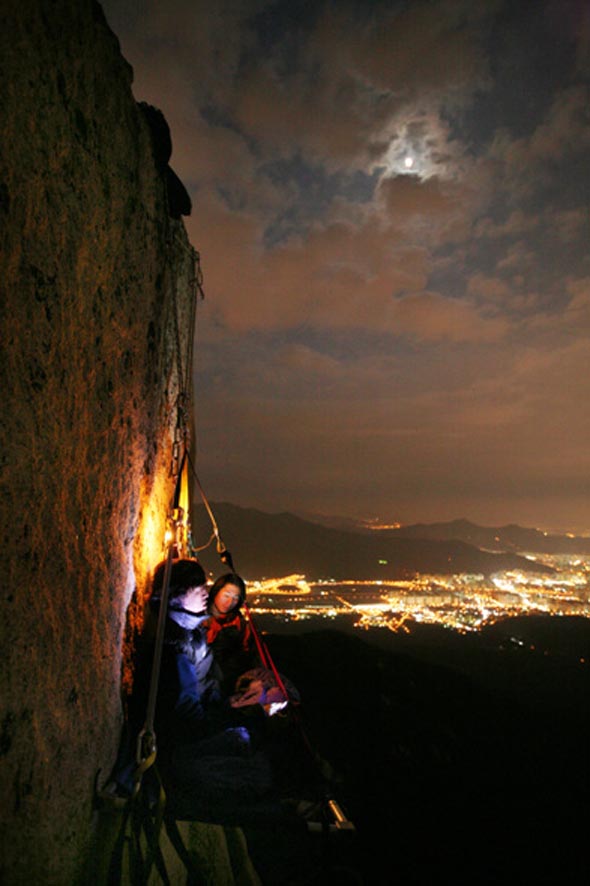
<point>254,693</point>
<point>195,599</point>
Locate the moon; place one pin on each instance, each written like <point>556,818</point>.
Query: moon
<point>408,162</point>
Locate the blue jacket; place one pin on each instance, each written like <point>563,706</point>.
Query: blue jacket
<point>188,704</point>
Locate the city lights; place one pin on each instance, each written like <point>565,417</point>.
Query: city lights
<point>462,602</point>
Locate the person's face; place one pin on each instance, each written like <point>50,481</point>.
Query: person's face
<point>226,599</point>
<point>195,599</point>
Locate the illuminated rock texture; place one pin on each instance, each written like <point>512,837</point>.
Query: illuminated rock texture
<point>95,320</point>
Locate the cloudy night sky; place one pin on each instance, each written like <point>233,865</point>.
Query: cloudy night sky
<point>392,205</point>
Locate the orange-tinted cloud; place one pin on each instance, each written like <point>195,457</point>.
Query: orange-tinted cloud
<point>394,239</point>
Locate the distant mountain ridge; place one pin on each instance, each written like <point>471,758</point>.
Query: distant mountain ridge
<point>270,545</point>
<point>510,537</point>
<point>502,538</point>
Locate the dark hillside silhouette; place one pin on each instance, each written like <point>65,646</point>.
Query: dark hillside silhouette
<point>449,777</point>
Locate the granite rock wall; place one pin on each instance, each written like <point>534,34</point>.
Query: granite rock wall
<point>95,322</point>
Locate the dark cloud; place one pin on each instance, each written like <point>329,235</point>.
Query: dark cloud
<point>390,201</point>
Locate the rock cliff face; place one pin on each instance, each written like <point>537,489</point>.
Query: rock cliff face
<point>95,325</point>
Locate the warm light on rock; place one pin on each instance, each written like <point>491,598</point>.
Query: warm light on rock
<point>96,285</point>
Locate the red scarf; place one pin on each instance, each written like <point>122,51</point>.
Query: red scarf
<point>216,623</point>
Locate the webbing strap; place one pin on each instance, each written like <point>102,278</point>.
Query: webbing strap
<point>140,819</point>
<point>159,642</point>
<point>152,829</point>
<point>115,871</point>
<point>144,764</point>
<point>195,876</point>
<point>260,644</point>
